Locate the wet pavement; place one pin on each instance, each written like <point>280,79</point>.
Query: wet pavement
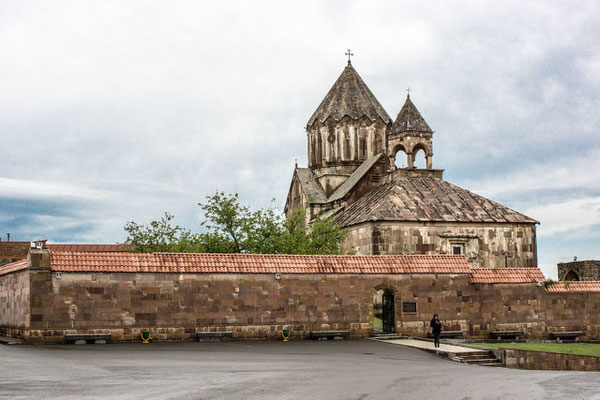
<point>348,369</point>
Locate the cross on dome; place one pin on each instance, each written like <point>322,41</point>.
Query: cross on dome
<point>349,54</point>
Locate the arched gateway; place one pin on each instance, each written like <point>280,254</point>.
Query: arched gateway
<point>384,311</point>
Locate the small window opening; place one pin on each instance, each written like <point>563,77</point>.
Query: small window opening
<point>457,250</point>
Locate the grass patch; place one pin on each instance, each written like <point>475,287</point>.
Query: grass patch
<point>584,349</point>
<point>377,324</point>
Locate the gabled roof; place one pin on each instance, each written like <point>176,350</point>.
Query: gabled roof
<point>310,186</point>
<point>409,119</point>
<point>349,96</point>
<point>574,286</point>
<point>426,200</point>
<point>356,176</point>
<point>506,275</point>
<point>13,267</point>
<point>257,263</point>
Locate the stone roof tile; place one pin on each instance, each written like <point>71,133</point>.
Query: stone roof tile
<point>350,97</point>
<point>310,186</point>
<point>409,119</point>
<point>426,199</point>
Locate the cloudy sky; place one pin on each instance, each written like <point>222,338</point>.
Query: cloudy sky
<point>114,111</point>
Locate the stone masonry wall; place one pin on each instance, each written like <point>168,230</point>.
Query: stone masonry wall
<point>485,245</point>
<point>176,306</point>
<point>14,301</point>
<point>573,312</point>
<point>525,359</point>
<point>586,270</point>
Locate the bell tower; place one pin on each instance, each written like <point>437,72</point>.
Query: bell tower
<point>409,134</point>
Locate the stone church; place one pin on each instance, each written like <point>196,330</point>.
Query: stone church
<point>352,145</point>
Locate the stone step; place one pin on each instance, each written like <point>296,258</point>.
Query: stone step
<point>480,361</point>
<point>464,355</point>
<point>11,340</point>
<point>497,363</point>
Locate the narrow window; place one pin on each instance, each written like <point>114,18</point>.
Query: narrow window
<point>363,147</point>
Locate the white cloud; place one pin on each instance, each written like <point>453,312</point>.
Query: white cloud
<point>569,216</point>
<point>129,109</point>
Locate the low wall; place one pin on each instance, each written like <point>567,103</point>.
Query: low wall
<point>14,302</point>
<point>528,359</point>
<point>43,306</point>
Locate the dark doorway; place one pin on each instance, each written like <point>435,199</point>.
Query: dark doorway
<point>388,312</point>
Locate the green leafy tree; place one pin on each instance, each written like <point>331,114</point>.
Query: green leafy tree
<point>161,236</point>
<point>234,228</point>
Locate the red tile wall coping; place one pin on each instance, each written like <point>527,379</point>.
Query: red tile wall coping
<point>257,263</point>
<point>13,267</point>
<point>90,247</point>
<point>574,286</point>
<point>506,275</point>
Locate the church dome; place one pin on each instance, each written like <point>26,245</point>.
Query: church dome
<point>350,97</point>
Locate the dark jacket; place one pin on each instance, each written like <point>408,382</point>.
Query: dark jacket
<point>436,326</point>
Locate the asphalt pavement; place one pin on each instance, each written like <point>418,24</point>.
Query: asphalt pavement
<point>348,369</point>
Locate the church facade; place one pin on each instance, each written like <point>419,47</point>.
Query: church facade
<point>352,145</point>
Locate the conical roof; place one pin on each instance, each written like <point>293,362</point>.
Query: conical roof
<point>349,96</point>
<point>409,119</point>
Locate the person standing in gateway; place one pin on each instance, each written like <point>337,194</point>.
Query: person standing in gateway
<point>436,329</point>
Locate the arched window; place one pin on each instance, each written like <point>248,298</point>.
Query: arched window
<point>400,157</point>
<point>571,276</point>
<point>363,148</point>
<point>319,148</point>
<point>346,144</point>
<point>419,157</point>
<point>378,144</point>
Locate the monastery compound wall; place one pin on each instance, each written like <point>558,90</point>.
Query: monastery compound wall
<point>145,294</point>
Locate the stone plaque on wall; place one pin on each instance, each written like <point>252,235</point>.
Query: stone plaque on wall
<point>409,307</point>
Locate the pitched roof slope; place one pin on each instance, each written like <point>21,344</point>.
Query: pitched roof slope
<point>349,96</point>
<point>574,286</point>
<point>257,263</point>
<point>310,186</point>
<point>13,267</point>
<point>426,199</point>
<point>506,275</point>
<point>89,247</point>
<point>356,176</point>
<point>409,119</point>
